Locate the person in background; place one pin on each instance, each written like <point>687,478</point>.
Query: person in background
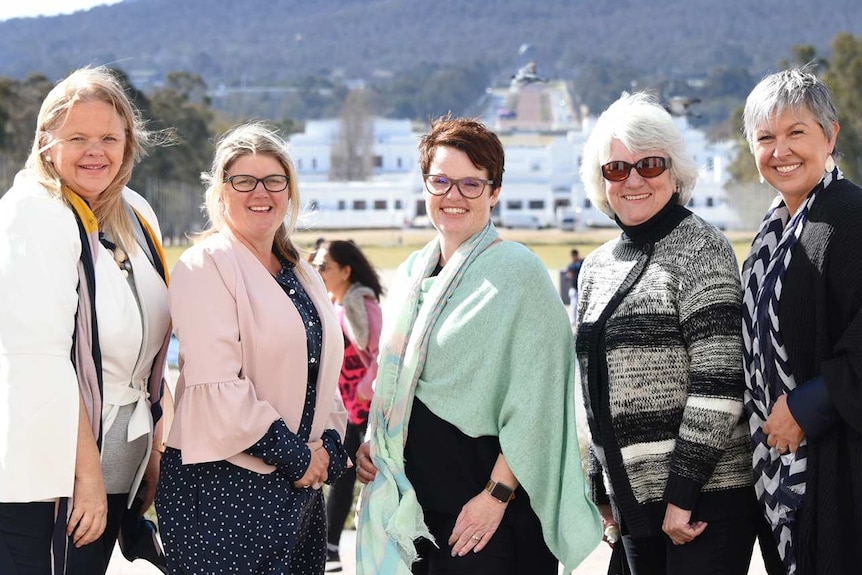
<point>803,332</point>
<point>84,328</point>
<point>355,289</point>
<point>659,342</point>
<point>259,423</point>
<point>473,464</point>
<point>572,272</point>
<point>312,255</point>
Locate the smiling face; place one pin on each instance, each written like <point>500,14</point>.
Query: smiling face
<point>791,151</point>
<point>458,218</point>
<point>256,215</point>
<point>637,199</point>
<point>89,148</point>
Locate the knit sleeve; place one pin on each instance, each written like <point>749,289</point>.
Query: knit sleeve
<point>710,320</point>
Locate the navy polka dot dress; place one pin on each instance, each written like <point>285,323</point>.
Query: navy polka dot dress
<point>220,518</point>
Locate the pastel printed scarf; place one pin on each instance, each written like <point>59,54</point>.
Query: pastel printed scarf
<point>389,511</point>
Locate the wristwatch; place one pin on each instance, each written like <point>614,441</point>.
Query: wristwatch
<point>500,492</point>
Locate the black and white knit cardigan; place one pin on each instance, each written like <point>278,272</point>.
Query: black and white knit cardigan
<point>660,354</point>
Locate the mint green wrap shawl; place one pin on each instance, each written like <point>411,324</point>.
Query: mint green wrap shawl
<point>487,346</point>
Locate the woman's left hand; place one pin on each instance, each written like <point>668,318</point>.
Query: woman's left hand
<point>476,524</point>
<point>781,427</point>
<point>151,479</point>
<point>679,527</point>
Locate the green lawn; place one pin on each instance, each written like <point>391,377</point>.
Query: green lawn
<point>388,248</point>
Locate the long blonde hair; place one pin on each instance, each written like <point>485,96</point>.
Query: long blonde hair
<point>91,84</point>
<point>244,140</point>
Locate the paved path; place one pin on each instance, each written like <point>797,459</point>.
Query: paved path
<point>595,564</point>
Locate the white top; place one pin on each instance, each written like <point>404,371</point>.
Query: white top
<point>39,252</point>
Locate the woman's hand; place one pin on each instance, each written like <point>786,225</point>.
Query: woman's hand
<point>366,471</point>
<point>318,468</point>
<point>783,432</point>
<point>151,479</point>
<point>678,526</point>
<point>476,524</point>
<point>89,499</point>
<point>610,527</point>
<point>89,509</point>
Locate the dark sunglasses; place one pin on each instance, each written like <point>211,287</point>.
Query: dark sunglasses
<point>650,167</point>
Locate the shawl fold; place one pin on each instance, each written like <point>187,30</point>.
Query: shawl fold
<point>500,362</point>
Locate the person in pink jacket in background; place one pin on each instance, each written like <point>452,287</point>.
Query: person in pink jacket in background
<point>354,286</point>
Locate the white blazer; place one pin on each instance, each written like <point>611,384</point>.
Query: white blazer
<point>39,252</point>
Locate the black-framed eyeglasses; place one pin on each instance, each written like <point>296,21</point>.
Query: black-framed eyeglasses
<point>470,188</point>
<point>649,167</point>
<point>246,183</point>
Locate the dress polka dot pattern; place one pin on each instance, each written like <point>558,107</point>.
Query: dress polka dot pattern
<point>218,518</point>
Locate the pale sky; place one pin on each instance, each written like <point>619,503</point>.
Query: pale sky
<point>26,8</point>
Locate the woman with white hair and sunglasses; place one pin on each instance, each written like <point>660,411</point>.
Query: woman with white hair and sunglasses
<point>659,343</point>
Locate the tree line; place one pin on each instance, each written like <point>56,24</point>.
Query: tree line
<point>185,106</point>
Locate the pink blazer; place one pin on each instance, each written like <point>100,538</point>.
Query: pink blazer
<point>243,354</point>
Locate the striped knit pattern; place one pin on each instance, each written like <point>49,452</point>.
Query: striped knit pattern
<point>674,370</point>
<point>779,479</point>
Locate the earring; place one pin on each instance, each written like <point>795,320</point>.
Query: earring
<point>49,159</point>
<point>830,164</point>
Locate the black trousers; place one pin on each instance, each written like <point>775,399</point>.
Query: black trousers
<point>339,498</point>
<point>93,559</point>
<point>724,548</point>
<point>517,548</point>
<point>25,538</point>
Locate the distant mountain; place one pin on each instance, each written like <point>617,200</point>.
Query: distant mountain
<point>269,42</point>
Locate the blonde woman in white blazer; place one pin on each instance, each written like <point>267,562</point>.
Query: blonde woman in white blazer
<point>84,326</point>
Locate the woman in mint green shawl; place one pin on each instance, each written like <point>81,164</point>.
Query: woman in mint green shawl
<point>473,464</point>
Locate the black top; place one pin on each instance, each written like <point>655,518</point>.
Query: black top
<point>446,467</point>
<point>820,318</point>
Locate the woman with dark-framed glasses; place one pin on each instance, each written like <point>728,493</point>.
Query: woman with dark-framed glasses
<point>659,344</point>
<point>473,464</point>
<point>259,422</point>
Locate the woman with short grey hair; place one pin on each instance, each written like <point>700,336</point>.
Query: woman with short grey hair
<point>659,344</point>
<point>803,327</point>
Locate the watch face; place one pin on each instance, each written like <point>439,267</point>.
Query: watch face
<point>501,492</point>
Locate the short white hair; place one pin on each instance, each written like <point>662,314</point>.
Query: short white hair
<point>640,123</point>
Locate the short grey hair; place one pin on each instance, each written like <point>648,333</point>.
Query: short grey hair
<point>641,124</point>
<point>790,89</point>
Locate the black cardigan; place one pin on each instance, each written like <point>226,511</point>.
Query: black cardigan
<point>821,324</point>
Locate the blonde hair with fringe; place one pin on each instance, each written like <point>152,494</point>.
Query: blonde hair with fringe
<point>245,140</point>
<point>91,84</point>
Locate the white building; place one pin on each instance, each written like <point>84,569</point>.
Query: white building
<point>384,201</point>
<point>543,137</point>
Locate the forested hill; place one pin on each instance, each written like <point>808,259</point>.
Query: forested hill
<point>264,42</point>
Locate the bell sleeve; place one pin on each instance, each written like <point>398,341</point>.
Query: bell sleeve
<point>218,413</point>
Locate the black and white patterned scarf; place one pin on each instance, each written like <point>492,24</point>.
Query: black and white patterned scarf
<point>779,479</point>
